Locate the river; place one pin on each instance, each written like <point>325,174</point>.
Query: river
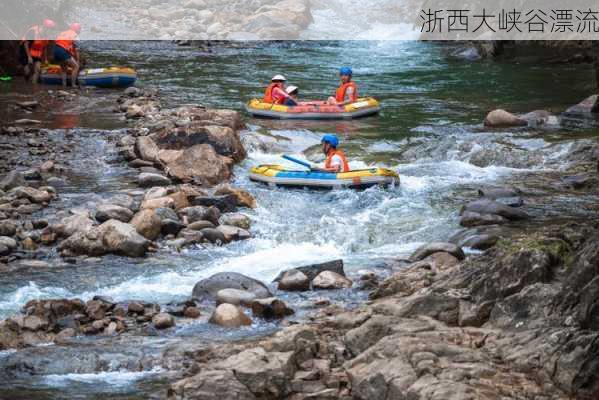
<point>430,127</point>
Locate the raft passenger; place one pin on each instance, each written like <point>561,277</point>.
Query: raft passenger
<point>66,53</point>
<point>348,91</point>
<point>32,51</point>
<point>293,92</point>
<point>335,159</point>
<point>276,94</point>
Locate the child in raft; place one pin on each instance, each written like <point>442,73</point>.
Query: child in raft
<point>275,92</point>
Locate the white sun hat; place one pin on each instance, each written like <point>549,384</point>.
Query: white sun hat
<point>278,78</point>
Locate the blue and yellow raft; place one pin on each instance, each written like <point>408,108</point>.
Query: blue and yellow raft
<point>277,175</point>
<point>111,77</point>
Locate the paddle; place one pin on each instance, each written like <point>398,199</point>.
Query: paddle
<point>303,163</point>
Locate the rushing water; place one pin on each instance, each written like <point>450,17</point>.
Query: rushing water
<point>433,106</point>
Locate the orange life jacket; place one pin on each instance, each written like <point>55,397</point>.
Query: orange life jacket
<point>342,90</point>
<point>270,97</point>
<point>329,161</point>
<point>36,44</point>
<point>66,40</point>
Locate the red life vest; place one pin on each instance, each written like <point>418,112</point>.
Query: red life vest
<point>329,161</point>
<point>66,40</point>
<point>36,44</point>
<point>342,90</point>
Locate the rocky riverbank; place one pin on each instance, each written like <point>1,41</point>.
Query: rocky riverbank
<point>516,320</point>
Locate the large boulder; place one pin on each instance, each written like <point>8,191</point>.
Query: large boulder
<point>235,219</point>
<point>229,316</point>
<point>503,119</point>
<point>147,223</point>
<point>73,224</point>
<point>469,219</point>
<point>223,139</point>
<point>200,213</point>
<point>105,212</point>
<point>31,194</point>
<point>584,108</point>
<point>210,385</point>
<point>200,164</point>
<point>147,179</point>
<point>209,287</point>
<point>236,297</point>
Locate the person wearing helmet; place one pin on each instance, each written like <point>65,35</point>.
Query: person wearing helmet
<point>335,161</point>
<point>276,94</point>
<point>66,53</point>
<point>33,49</point>
<point>348,91</point>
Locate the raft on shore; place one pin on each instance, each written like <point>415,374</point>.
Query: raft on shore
<point>363,107</point>
<point>277,175</point>
<point>111,77</point>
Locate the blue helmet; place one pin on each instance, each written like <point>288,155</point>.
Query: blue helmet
<point>346,71</point>
<point>333,140</point>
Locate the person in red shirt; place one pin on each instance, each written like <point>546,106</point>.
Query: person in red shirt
<point>348,91</point>
<point>275,92</point>
<point>32,51</point>
<point>66,53</point>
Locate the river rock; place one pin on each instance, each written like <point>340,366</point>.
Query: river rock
<point>161,202</point>
<point>31,194</point>
<point>331,280</point>
<point>470,219</point>
<point>148,224</point>
<point>28,244</point>
<point>498,193</point>
<point>147,149</point>
<point>214,236</point>
<point>211,384</point>
<point>235,296</point>
<point>156,193</point>
<point>8,228</point>
<point>73,224</point>
<point>486,206</point>
<point>200,164</point>
<point>232,233</point>
<point>312,270</point>
<point>235,219</point>
<point>209,287</point>
<point>8,242</point>
<point>244,198</point>
<point>12,180</point>
<point>123,239</point>
<point>200,213</point>
<point>229,316</point>
<point>584,108</point>
<point>437,247</point>
<point>180,200</point>
<point>150,180</point>
<point>171,226</point>
<point>225,203</point>
<point>163,321</point>
<point>294,280</point>
<point>112,211</point>
<point>480,242</point>
<point>199,225</point>
<point>270,308</point>
<point>191,312</point>
<point>503,119</point>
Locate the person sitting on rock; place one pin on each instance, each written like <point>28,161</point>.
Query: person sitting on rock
<point>276,94</point>
<point>335,161</point>
<point>32,51</point>
<point>347,92</point>
<point>66,53</point>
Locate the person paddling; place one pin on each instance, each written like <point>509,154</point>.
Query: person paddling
<point>347,92</point>
<point>335,161</point>
<point>66,53</point>
<point>275,92</point>
<point>32,51</point>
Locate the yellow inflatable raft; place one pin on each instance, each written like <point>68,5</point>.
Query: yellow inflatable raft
<point>314,109</point>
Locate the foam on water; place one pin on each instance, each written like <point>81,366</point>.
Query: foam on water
<point>116,378</point>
